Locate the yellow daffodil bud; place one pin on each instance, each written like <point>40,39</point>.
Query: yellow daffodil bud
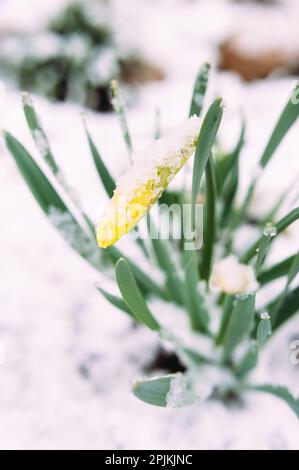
<point>143,183</point>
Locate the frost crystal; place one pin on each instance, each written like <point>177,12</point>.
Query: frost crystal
<point>27,100</point>
<point>117,98</point>
<point>265,316</point>
<point>198,99</point>
<point>41,142</point>
<point>186,390</point>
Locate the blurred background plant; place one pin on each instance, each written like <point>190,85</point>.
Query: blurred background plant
<point>74,57</point>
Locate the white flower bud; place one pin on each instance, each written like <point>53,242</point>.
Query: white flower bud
<point>232,277</point>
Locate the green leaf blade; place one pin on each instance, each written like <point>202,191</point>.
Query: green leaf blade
<point>38,133</point>
<point>199,90</point>
<point>198,315</point>
<point>228,165</point>
<point>281,312</point>
<point>102,171</point>
<point>280,392</point>
<point>204,146</point>
<point>239,324</point>
<point>153,391</point>
<point>133,296</point>
<point>276,271</point>
<point>264,330</point>
<point>52,204</point>
<point>249,361</point>
<point>120,110</point>
<point>145,282</point>
<point>251,358</point>
<point>286,120</point>
<point>263,249</point>
<point>209,227</point>
<point>42,143</point>
<point>280,226</point>
<point>38,183</point>
<point>116,301</point>
<point>163,256</point>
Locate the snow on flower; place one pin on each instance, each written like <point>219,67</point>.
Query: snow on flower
<point>232,277</point>
<point>265,316</point>
<point>143,183</point>
<point>186,389</point>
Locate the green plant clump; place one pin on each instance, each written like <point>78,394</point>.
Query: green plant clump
<point>74,58</point>
<point>214,287</point>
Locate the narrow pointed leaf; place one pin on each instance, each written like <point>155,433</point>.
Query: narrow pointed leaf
<point>263,331</point>
<point>105,177</point>
<point>249,361</point>
<point>164,259</point>
<point>287,310</point>
<point>262,252</point>
<point>240,324</point>
<point>38,183</point>
<point>42,144</point>
<point>280,392</point>
<point>272,214</point>
<point>53,205</point>
<point>153,391</point>
<point>281,225</point>
<point>199,90</point>
<point>287,220</point>
<point>38,133</point>
<point>274,272</point>
<point>227,165</point>
<point>251,358</point>
<point>209,227</point>
<point>226,315</point>
<point>287,118</point>
<point>294,268</point>
<point>194,302</point>
<point>119,107</point>
<point>228,197</point>
<point>145,282</point>
<point>204,146</point>
<point>196,357</point>
<point>48,199</point>
<point>116,301</point>
<point>133,296</point>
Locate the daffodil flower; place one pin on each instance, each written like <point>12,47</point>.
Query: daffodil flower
<point>143,183</point>
<point>232,277</point>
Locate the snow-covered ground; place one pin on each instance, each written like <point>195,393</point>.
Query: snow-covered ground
<point>69,357</point>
